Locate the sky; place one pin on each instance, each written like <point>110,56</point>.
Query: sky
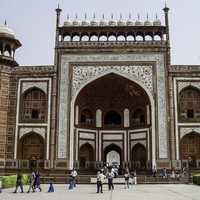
<point>34,24</point>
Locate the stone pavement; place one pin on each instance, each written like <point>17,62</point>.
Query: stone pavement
<point>88,192</point>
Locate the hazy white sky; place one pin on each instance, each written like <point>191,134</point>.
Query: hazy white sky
<point>34,24</point>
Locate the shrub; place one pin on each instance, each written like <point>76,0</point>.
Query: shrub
<point>196,179</point>
<point>10,181</point>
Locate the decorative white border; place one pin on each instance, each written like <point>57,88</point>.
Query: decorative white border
<point>187,82</point>
<point>32,124</point>
<point>158,58</point>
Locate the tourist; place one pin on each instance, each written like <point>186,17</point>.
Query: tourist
<point>31,182</point>
<point>71,182</point>
<point>100,180</point>
<point>0,185</point>
<point>164,173</point>
<point>110,176</point>
<point>37,181</point>
<point>126,177</point>
<point>74,174</point>
<point>135,177</point>
<point>173,175</point>
<point>19,183</point>
<point>51,188</point>
<point>154,171</point>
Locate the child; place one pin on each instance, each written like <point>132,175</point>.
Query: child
<point>51,188</point>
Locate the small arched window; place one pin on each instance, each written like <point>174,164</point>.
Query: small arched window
<point>34,105</point>
<point>138,117</point>
<point>189,104</point>
<point>112,118</point>
<point>86,117</point>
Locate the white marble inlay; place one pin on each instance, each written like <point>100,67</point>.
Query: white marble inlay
<point>26,130</point>
<point>81,74</point>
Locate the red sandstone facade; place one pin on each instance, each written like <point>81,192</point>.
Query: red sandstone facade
<point>111,96</point>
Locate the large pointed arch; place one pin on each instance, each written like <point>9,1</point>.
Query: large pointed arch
<point>131,78</point>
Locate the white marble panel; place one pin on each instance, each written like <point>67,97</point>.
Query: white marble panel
<point>112,137</point>
<point>87,135</point>
<point>138,135</point>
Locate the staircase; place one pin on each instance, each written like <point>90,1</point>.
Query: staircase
<point>86,177</point>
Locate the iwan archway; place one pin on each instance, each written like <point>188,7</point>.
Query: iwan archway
<point>104,111</point>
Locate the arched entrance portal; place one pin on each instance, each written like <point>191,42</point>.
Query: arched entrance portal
<point>139,156</point>
<point>86,155</point>
<point>112,94</point>
<point>190,148</point>
<point>32,147</point>
<point>113,155</point>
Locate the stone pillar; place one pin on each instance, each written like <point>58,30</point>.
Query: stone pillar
<point>126,118</point>
<point>98,118</point>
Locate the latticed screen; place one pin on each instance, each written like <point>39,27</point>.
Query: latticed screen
<point>34,106</point>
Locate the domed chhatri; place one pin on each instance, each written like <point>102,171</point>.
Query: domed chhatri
<point>8,45</point>
<point>7,32</point>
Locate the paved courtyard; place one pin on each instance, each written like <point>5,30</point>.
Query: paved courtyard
<point>88,192</point>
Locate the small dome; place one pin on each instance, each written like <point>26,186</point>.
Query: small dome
<point>94,22</point>
<point>157,22</point>
<point>85,22</point>
<point>103,22</point>
<point>129,22</point>
<point>5,31</point>
<point>121,22</point>
<point>147,22</point>
<point>112,22</point>
<point>76,22</point>
<point>138,22</point>
<point>68,22</point>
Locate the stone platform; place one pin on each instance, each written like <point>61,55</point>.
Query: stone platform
<point>88,192</point>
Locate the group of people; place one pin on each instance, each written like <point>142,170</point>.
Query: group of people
<point>168,174</point>
<point>34,182</point>
<point>110,175</point>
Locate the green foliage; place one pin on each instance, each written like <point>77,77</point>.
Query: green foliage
<point>10,181</point>
<point>196,179</point>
